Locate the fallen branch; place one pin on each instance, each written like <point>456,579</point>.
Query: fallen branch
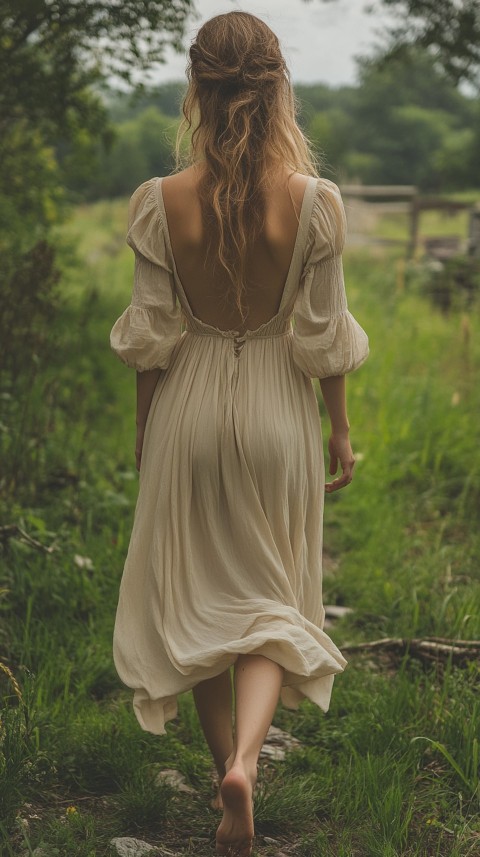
<point>13,531</point>
<point>426,649</point>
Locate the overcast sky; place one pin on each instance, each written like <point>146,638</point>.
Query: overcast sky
<point>319,40</point>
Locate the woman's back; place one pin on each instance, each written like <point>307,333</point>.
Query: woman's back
<point>267,265</point>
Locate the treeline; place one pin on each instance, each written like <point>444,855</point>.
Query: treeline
<point>403,124</point>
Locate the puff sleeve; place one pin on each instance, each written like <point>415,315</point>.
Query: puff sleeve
<point>327,340</point>
<point>146,333</point>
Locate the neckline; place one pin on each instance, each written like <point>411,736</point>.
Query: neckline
<point>308,193</point>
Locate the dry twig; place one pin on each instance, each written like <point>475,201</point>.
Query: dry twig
<point>11,531</point>
<point>426,648</point>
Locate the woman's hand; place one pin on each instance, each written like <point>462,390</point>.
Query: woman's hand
<point>139,446</point>
<point>340,450</point>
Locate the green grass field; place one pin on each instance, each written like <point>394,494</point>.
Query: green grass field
<point>392,770</point>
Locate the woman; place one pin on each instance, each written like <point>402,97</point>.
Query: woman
<point>224,563</point>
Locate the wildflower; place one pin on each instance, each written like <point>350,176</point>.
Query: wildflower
<point>71,810</point>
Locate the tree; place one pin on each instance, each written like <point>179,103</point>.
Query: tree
<point>403,114</point>
<point>166,97</point>
<point>55,57</point>
<point>51,50</point>
<point>400,123</point>
<point>450,29</point>
<point>330,132</point>
<point>143,147</point>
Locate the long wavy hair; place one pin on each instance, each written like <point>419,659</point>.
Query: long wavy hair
<point>240,112</point>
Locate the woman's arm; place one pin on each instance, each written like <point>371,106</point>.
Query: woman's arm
<point>334,396</point>
<point>146,383</point>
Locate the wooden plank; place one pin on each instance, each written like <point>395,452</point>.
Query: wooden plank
<point>388,207</point>
<point>474,231</point>
<point>366,191</point>
<point>425,203</point>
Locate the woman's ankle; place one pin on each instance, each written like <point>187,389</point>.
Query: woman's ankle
<point>246,765</point>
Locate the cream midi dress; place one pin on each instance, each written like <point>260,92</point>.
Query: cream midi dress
<point>225,555</point>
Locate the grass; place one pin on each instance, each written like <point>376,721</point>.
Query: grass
<point>392,768</point>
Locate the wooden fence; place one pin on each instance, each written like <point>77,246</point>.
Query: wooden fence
<point>405,199</point>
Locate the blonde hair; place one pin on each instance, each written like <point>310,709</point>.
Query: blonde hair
<point>241,110</point>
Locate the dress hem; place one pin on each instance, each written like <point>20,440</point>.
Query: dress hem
<point>153,714</point>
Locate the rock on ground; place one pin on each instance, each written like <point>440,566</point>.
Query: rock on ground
<point>175,779</point>
<point>277,743</point>
<point>127,846</point>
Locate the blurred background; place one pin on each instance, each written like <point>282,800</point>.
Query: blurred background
<point>90,102</point>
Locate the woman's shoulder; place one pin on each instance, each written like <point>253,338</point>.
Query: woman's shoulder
<point>326,193</point>
<point>327,198</point>
<point>179,189</point>
<point>142,197</point>
<point>328,224</point>
<point>185,179</point>
<point>145,221</point>
<point>327,188</point>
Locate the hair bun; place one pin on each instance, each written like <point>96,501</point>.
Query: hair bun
<point>209,69</point>
<point>251,72</point>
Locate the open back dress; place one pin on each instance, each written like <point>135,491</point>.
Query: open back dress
<point>225,554</point>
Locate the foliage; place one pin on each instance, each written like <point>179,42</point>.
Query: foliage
<point>453,284</point>
<point>422,23</point>
<point>404,115</point>
<point>52,51</point>
<point>54,59</point>
<point>27,311</point>
<point>167,98</point>
<point>55,132</point>
<point>143,147</point>
<point>331,134</point>
<point>456,47</point>
<point>29,192</point>
<point>144,802</point>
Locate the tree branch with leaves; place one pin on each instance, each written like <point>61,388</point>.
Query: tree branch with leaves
<point>449,29</point>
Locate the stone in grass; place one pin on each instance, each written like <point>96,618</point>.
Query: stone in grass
<point>337,611</point>
<point>175,779</point>
<point>277,743</point>
<point>43,851</point>
<point>127,846</point>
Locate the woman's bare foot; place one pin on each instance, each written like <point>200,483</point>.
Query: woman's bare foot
<point>235,831</point>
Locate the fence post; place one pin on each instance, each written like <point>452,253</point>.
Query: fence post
<point>414,222</point>
<point>474,231</point>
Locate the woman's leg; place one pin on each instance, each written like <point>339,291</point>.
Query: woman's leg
<point>258,681</point>
<point>213,701</point>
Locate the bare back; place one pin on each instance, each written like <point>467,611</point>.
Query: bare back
<point>267,269</point>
